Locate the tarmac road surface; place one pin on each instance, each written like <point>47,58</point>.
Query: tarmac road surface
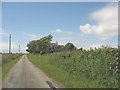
<point>25,75</point>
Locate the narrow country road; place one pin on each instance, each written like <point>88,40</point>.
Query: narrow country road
<point>25,75</point>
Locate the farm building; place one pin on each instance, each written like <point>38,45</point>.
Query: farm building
<point>55,46</point>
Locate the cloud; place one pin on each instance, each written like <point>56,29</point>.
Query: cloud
<point>4,46</point>
<point>30,36</point>
<point>96,45</point>
<point>106,22</point>
<point>3,33</point>
<point>33,36</point>
<point>87,29</point>
<point>62,32</point>
<point>58,31</point>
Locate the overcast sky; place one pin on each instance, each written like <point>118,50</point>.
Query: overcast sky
<point>84,24</point>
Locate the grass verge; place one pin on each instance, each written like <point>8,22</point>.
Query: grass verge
<point>8,61</point>
<point>81,68</point>
<point>63,78</point>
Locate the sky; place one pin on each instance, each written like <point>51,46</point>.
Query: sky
<point>85,24</point>
<point>60,0</point>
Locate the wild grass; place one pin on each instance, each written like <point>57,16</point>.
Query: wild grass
<point>8,61</point>
<point>81,69</point>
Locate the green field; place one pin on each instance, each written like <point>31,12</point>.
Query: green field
<point>80,68</point>
<point>8,60</point>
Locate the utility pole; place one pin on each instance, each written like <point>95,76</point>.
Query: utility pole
<point>19,48</point>
<point>10,44</point>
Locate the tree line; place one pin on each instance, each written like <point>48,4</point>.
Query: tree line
<point>44,45</point>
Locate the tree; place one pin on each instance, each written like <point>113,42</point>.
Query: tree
<point>69,46</point>
<point>32,46</point>
<point>37,46</point>
<point>47,38</point>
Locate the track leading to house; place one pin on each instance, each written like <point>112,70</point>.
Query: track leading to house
<point>25,75</point>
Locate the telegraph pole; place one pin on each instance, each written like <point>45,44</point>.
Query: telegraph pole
<point>19,48</point>
<point>10,44</point>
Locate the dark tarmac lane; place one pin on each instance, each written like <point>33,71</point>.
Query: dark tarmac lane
<point>25,75</point>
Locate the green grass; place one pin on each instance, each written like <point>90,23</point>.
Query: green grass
<point>8,61</point>
<point>60,75</point>
<point>80,69</point>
